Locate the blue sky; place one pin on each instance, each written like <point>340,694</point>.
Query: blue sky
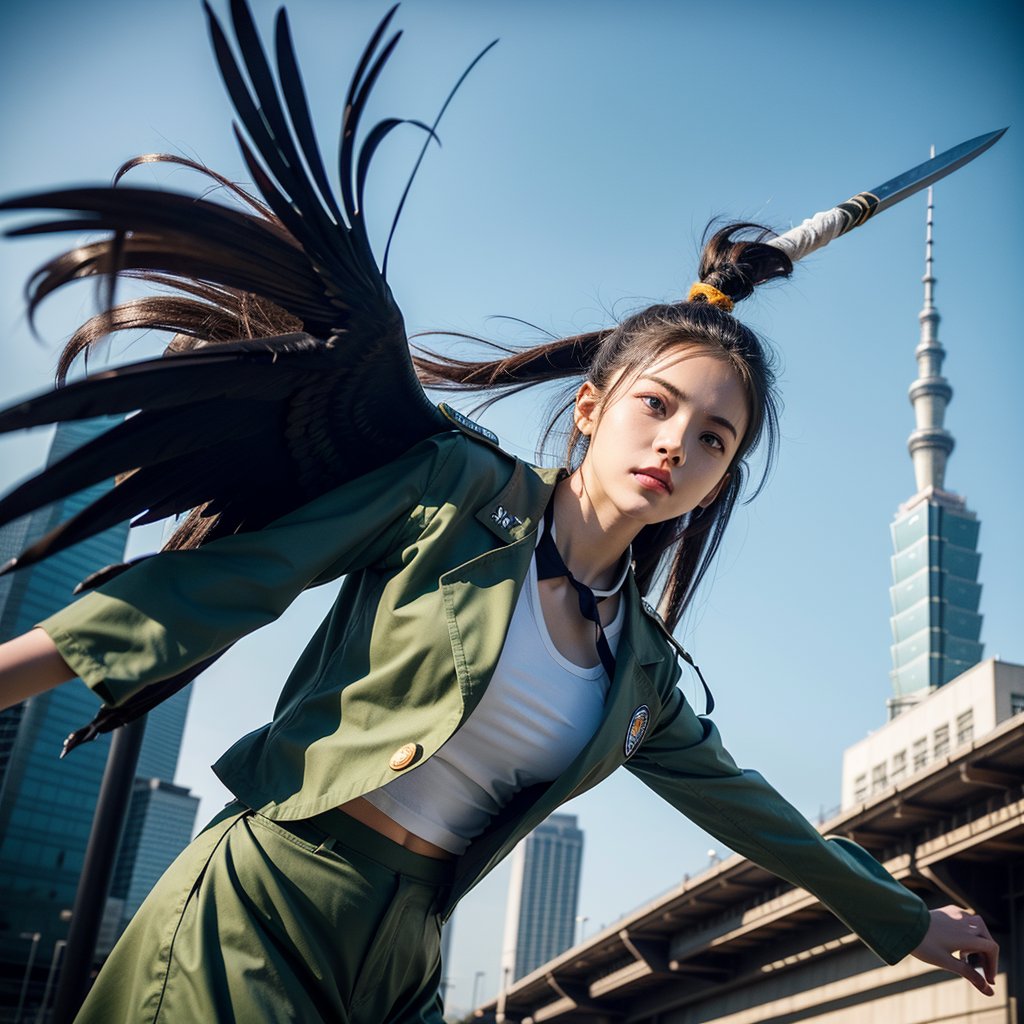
<point>578,168</point>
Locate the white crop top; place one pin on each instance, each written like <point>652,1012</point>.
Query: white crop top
<point>536,715</point>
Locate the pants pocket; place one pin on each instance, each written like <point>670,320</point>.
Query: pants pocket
<point>401,973</point>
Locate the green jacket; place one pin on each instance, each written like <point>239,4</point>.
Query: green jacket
<point>434,547</point>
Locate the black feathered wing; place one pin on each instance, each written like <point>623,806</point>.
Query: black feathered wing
<point>238,431</point>
<point>244,430</point>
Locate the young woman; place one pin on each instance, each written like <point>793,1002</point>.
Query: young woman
<point>452,699</point>
<point>490,655</point>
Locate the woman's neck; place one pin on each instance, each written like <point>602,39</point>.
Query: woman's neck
<point>591,543</point>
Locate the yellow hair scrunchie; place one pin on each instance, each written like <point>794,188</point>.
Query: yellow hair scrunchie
<point>711,294</point>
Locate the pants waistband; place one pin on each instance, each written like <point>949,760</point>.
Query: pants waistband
<point>341,830</point>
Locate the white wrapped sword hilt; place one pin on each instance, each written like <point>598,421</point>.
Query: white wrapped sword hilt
<point>826,226</point>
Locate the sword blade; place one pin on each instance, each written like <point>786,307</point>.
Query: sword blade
<point>906,184</point>
<point>828,225</point>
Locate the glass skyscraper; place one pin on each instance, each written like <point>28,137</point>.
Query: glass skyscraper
<point>935,595</point>
<point>159,826</point>
<point>936,625</point>
<point>540,918</point>
<point>46,805</point>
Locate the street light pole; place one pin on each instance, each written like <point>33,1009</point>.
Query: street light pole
<point>35,937</point>
<point>506,977</point>
<point>100,857</point>
<point>476,982</point>
<point>58,949</point>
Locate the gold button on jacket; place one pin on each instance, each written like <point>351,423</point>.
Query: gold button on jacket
<point>403,757</point>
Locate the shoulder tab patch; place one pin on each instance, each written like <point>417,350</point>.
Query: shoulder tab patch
<point>666,632</point>
<point>709,698</point>
<point>466,424</point>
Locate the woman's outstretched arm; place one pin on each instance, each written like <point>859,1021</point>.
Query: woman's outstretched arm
<point>30,664</point>
<point>685,763</point>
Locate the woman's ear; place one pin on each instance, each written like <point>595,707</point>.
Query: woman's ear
<point>587,408</point>
<point>712,496</point>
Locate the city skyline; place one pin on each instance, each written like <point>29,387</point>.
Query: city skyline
<point>47,803</point>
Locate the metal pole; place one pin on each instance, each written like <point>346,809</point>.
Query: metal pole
<point>476,982</point>
<point>58,948</point>
<point>499,1012</point>
<point>100,857</point>
<point>35,937</point>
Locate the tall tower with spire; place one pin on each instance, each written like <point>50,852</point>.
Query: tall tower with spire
<point>936,626</point>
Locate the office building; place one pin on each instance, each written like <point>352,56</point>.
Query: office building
<point>46,805</point>
<point>936,729</point>
<point>159,826</point>
<point>944,696</point>
<point>540,916</point>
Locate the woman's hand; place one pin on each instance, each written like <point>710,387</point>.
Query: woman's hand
<point>955,931</point>
<point>30,664</point>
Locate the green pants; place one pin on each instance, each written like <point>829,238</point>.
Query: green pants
<point>318,920</point>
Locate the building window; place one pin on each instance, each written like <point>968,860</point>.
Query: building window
<point>965,727</point>
<point>920,753</point>
<point>941,741</point>
<point>1016,703</point>
<point>899,765</point>
<point>860,788</point>
<point>879,777</point>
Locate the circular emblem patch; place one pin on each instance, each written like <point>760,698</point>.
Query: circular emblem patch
<point>637,729</point>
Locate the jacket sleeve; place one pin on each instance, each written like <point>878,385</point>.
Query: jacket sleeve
<point>178,607</point>
<point>684,762</point>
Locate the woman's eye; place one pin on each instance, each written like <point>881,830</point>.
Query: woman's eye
<point>653,402</point>
<point>714,441</point>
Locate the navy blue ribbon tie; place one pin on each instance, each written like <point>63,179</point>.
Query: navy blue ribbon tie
<point>551,565</point>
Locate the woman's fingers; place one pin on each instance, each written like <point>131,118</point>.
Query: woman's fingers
<point>985,959</point>
<point>953,931</point>
<point>978,968</point>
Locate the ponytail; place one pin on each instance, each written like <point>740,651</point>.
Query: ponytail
<point>735,266</point>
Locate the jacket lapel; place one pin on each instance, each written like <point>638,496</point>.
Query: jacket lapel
<point>480,595</point>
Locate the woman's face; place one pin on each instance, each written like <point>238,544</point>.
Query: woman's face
<point>662,443</point>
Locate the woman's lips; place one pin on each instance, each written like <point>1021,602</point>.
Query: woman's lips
<point>654,479</point>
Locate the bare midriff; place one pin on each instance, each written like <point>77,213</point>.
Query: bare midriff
<point>364,812</point>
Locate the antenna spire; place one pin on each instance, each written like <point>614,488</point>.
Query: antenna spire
<point>930,443</point>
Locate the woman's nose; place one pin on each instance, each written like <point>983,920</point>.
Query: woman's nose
<point>671,450</point>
